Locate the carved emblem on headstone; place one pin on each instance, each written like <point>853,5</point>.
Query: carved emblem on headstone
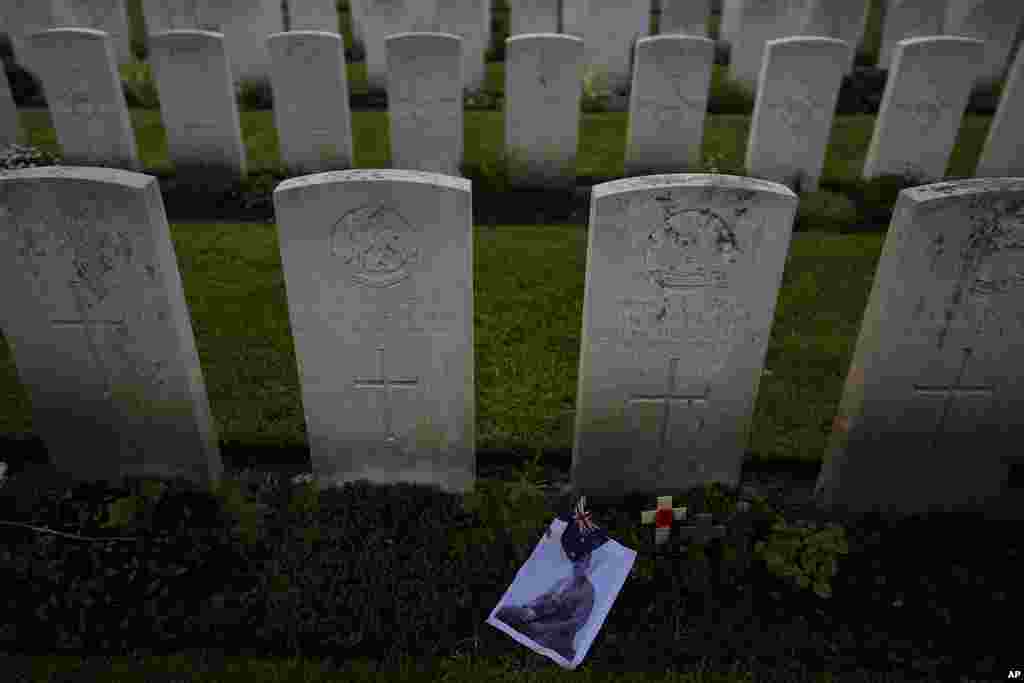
<point>377,242</point>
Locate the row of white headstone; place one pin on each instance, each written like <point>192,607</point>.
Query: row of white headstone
<point>682,277</point>
<point>925,98</point>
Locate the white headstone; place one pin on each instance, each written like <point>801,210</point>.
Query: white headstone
<point>175,15</point>
<point>932,400</point>
<point>793,109</point>
<point>311,109</point>
<point>682,277</point>
<point>313,15</point>
<point>613,27</point>
<point>425,101</point>
<point>925,97</point>
<point>759,21</point>
<point>355,7</point>
<point>667,103</point>
<point>106,15</point>
<point>1003,153</point>
<point>843,19</point>
<point>197,99</point>
<point>19,19</point>
<point>78,71</point>
<point>994,21</point>
<point>543,86</point>
<point>378,271</point>
<point>688,17</point>
<point>11,132</point>
<point>729,21</point>
<point>95,316</point>
<point>382,18</point>
<point>467,19</point>
<point>532,16</point>
<point>574,17</point>
<point>246,27</point>
<point>909,19</point>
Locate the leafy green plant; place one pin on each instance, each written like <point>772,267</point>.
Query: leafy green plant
<point>806,554</point>
<point>255,94</point>
<point>23,156</point>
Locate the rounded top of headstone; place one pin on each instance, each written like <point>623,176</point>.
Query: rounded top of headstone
<point>422,36</point>
<point>523,37</point>
<point>696,180</point>
<point>82,33</point>
<point>305,35</point>
<point>926,42</point>
<point>374,175</point>
<point>182,34</point>
<point>801,41</point>
<point>674,38</point>
<point>952,189</point>
<point>114,176</point>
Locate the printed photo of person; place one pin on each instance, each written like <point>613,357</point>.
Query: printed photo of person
<point>556,605</point>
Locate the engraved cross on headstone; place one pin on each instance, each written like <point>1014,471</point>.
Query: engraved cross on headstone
<point>88,326</point>
<point>668,397</point>
<point>950,392</point>
<point>387,385</point>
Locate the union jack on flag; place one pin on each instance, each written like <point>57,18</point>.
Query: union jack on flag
<point>583,519</point>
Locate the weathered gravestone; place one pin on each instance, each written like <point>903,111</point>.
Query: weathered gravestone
<point>925,97</point>
<point>533,16</point>
<point>311,110</point>
<point>729,21</point>
<point>467,19</point>
<point>613,27</point>
<point>11,132</point>
<point>95,317</point>
<point>994,21</point>
<point>20,19</point>
<point>909,19</point>
<point>1003,153</point>
<point>682,277</point>
<point>110,16</point>
<point>667,102</point>
<point>931,409</point>
<point>378,271</point>
<point>382,18</point>
<point>842,19</point>
<point>178,15</point>
<point>758,22</point>
<point>543,85</point>
<point>197,100</point>
<point>80,79</point>
<point>313,15</point>
<point>793,109</point>
<point>425,101</point>
<point>688,17</point>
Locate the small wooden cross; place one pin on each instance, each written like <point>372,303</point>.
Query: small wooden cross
<point>662,518</point>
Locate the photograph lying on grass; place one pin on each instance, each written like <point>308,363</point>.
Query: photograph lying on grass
<point>562,594</point>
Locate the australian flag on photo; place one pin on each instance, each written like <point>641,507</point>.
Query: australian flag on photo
<point>581,535</point>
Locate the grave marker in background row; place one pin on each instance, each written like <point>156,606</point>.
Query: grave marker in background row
<point>730,20</point>
<point>314,15</point>
<point>378,271</point>
<point>532,16</point>
<point>667,104</point>
<point>246,25</point>
<point>96,319</point>
<point>425,101</point>
<point>543,85</point>
<point>682,277</point>
<point>197,99</point>
<point>758,22</point>
<point>843,19</point>
<point>467,19</point>
<point>1003,153</point>
<point>574,17</point>
<point>11,132</point>
<point>925,98</point>
<point>994,21</point>
<point>311,108</point>
<point>794,108</point>
<point>612,28</point>
<point>909,19</point>
<point>687,17</point>
<point>382,18</point>
<point>82,86</point>
<point>933,397</point>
